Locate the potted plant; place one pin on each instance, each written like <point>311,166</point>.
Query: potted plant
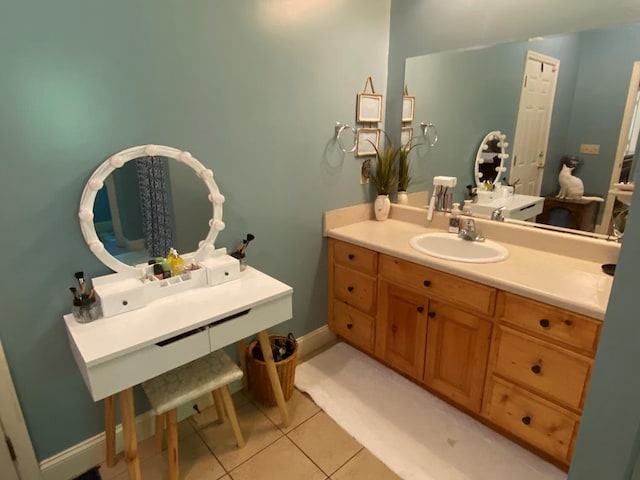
<point>384,178</point>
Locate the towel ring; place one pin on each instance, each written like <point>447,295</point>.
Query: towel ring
<point>425,130</point>
<point>341,127</point>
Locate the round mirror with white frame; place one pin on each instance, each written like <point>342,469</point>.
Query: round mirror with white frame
<point>117,161</point>
<point>489,164</point>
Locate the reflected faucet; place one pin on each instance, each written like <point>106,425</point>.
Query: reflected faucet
<point>468,231</point>
<point>497,214</point>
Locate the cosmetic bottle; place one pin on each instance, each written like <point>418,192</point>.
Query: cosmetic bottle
<point>466,208</point>
<point>176,263</point>
<point>454,219</point>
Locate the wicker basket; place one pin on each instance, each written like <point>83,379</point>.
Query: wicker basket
<point>259,383</point>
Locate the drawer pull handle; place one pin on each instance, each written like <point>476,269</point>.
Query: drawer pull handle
<point>544,323</point>
<point>349,326</point>
<point>350,288</point>
<point>351,256</point>
<point>536,369</point>
<point>394,329</point>
<point>230,317</point>
<point>432,314</point>
<point>526,420</point>
<point>179,337</point>
<point>427,283</point>
<point>420,309</point>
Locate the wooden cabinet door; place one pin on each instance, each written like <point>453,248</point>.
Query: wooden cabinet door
<point>401,328</point>
<point>457,352</point>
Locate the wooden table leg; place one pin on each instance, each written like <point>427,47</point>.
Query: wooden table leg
<point>242,353</point>
<point>265,346</point>
<point>110,429</point>
<point>129,432</point>
<point>219,404</point>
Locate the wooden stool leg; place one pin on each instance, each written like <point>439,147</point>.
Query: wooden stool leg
<point>158,437</point>
<point>231,411</point>
<point>218,402</point>
<point>130,435</point>
<point>172,443</point>
<point>110,429</point>
<point>242,353</point>
<point>265,346</point>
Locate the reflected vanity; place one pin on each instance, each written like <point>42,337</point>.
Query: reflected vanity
<point>143,333</point>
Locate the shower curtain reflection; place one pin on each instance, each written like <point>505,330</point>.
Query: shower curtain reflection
<point>157,218</point>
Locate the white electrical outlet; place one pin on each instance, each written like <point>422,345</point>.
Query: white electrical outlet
<point>589,148</point>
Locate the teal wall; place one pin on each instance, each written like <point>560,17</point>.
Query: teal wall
<point>252,89</point>
<point>468,93</point>
<point>605,447</point>
<point>600,96</point>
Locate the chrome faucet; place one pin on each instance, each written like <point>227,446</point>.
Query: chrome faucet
<point>468,231</point>
<point>497,214</point>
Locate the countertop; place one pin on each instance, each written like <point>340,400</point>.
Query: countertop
<point>567,282</point>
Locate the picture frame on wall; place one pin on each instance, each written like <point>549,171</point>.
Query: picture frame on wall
<point>369,108</point>
<point>408,107</point>
<point>366,138</point>
<point>406,135</point>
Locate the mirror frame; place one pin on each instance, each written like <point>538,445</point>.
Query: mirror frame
<point>96,182</point>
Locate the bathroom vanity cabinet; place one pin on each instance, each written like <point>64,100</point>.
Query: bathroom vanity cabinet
<point>519,365</point>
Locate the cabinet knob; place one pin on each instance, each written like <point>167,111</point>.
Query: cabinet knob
<point>432,314</point>
<point>420,309</point>
<point>349,326</point>
<point>350,288</point>
<point>544,323</point>
<point>427,283</point>
<point>536,369</point>
<point>394,329</point>
<point>351,256</point>
<point>526,420</point>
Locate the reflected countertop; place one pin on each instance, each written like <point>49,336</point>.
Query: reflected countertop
<point>576,284</point>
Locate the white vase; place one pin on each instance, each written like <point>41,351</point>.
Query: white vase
<point>381,207</point>
<point>403,198</point>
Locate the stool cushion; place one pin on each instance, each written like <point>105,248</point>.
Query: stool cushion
<point>189,381</point>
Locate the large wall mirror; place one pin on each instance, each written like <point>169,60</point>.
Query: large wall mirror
<point>582,81</point>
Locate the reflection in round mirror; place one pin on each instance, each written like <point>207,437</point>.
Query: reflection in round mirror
<point>489,164</point>
<point>143,201</point>
<point>148,206</point>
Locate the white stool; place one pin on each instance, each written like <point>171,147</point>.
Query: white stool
<point>166,392</point>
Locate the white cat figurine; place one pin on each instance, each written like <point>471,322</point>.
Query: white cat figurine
<point>571,187</point>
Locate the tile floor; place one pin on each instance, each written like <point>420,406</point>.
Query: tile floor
<point>313,447</point>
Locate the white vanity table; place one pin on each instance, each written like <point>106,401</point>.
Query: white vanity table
<point>139,340</point>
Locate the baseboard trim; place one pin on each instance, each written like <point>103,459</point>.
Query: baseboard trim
<point>85,455</point>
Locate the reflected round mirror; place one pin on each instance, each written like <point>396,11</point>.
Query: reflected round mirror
<point>489,164</point>
<point>143,201</point>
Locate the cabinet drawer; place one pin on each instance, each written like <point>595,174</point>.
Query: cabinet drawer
<point>354,288</point>
<point>352,256</point>
<point>438,284</point>
<point>352,325</point>
<point>551,371</point>
<point>531,418</point>
<point>554,323</point>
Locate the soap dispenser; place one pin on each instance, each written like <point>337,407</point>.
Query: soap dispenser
<point>454,219</point>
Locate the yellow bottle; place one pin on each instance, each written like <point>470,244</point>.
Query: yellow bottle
<point>176,262</point>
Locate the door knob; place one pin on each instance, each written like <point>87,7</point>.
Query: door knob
<point>432,314</point>
<point>544,323</point>
<point>536,369</point>
<point>394,329</point>
<point>351,256</point>
<point>427,283</point>
<point>526,420</point>
<point>420,309</point>
<point>350,288</point>
<point>349,326</point>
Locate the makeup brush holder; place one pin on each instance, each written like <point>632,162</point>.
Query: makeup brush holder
<point>120,293</point>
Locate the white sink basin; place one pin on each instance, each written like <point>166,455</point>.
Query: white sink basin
<point>449,247</point>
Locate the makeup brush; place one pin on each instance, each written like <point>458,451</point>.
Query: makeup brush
<point>80,278</point>
<point>245,243</point>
